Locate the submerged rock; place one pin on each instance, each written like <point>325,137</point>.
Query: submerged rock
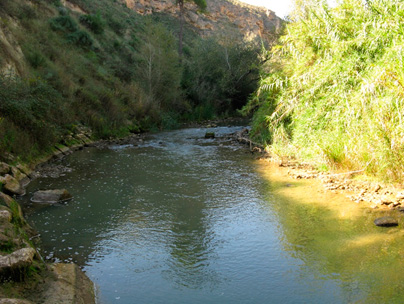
<point>51,196</point>
<point>386,221</point>
<point>209,135</point>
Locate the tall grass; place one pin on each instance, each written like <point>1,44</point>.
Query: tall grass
<point>334,87</point>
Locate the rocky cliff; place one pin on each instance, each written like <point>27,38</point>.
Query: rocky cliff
<point>220,16</point>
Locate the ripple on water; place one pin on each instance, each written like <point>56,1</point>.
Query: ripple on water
<point>182,219</point>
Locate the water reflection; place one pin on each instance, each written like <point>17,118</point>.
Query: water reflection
<point>337,240</point>
<point>182,219</point>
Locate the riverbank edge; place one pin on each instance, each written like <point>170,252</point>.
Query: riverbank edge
<point>33,280</point>
<point>352,184</point>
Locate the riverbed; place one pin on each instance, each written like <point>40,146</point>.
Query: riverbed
<point>179,218</point>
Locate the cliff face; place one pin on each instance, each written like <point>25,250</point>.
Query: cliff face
<point>220,15</point>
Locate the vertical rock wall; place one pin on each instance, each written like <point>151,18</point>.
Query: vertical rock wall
<point>221,16</point>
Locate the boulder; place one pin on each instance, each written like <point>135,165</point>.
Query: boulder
<point>17,174</point>
<point>20,176</point>
<point>386,221</point>
<point>5,216</point>
<point>11,185</point>
<point>51,196</point>
<point>24,169</point>
<point>4,168</point>
<point>20,258</point>
<point>5,199</point>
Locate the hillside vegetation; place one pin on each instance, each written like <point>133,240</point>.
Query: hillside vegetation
<point>333,91</point>
<point>105,67</point>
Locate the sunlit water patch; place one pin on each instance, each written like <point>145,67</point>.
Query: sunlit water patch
<point>184,219</point>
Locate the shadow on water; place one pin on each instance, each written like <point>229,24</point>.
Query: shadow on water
<point>336,239</point>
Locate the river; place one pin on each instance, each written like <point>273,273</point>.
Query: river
<point>184,219</point>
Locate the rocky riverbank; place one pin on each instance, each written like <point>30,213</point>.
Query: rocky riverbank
<point>353,184</point>
<point>25,276</point>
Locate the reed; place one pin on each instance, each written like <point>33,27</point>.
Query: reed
<point>333,90</point>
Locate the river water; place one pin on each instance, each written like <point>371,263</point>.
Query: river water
<point>183,219</point>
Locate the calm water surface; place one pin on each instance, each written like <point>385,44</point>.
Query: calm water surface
<point>183,219</point>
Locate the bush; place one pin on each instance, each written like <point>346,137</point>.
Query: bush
<point>93,22</point>
<point>32,116</point>
<point>63,23</point>
<point>35,59</point>
<point>80,38</point>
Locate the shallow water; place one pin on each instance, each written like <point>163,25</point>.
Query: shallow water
<point>183,219</point>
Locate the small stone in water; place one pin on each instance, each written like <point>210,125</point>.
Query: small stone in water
<point>209,135</point>
<point>386,221</point>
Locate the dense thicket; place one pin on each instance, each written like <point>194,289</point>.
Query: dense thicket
<point>333,91</point>
<point>112,70</point>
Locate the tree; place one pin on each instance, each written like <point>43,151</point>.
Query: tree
<point>157,67</point>
<point>201,4</point>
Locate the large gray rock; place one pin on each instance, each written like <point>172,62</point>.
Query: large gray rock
<point>11,185</point>
<point>20,258</point>
<point>386,221</point>
<point>51,196</point>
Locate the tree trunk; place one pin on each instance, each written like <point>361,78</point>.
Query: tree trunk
<point>181,5</point>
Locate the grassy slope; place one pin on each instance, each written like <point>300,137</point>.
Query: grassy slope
<point>75,71</point>
<point>333,92</point>
<point>109,69</point>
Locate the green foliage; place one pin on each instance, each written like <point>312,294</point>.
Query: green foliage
<point>7,247</point>
<point>35,59</point>
<point>63,23</point>
<point>94,22</point>
<point>80,38</point>
<point>334,89</point>
<point>221,73</point>
<point>201,3</point>
<point>158,69</point>
<point>30,115</point>
<point>125,76</point>
<point>73,34</point>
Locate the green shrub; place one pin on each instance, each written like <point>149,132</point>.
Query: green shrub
<point>63,23</point>
<point>117,26</point>
<point>80,38</point>
<point>31,113</point>
<point>35,59</point>
<point>93,22</point>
